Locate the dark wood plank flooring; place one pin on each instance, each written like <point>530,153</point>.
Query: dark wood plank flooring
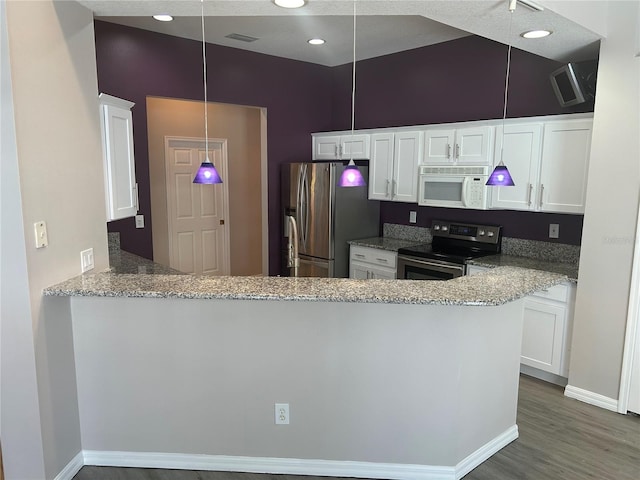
<point>560,438</point>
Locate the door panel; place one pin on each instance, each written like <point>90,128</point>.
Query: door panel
<point>315,214</point>
<point>197,227</point>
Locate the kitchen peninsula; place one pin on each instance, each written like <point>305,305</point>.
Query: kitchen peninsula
<point>384,378</point>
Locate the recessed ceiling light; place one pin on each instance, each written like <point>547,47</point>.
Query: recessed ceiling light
<point>536,34</point>
<point>316,41</point>
<point>163,18</point>
<point>290,3</point>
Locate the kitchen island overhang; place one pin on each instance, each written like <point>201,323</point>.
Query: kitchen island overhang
<point>376,389</point>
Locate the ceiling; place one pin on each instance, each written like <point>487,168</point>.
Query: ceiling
<point>383,26</point>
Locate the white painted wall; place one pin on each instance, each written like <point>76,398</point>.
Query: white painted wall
<point>402,384</point>
<point>611,210</point>
<point>57,152</point>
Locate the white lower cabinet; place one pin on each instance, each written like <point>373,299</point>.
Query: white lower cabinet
<point>546,336</point>
<point>548,323</point>
<point>367,263</point>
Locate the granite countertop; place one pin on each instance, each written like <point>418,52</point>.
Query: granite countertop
<point>492,261</point>
<point>125,262</point>
<point>384,243</point>
<point>494,287</point>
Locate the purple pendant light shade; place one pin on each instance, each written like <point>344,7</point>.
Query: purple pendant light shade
<point>500,177</point>
<point>351,176</point>
<point>207,174</point>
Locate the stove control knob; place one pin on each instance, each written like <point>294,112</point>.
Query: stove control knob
<point>436,227</point>
<point>490,234</point>
<point>445,228</point>
<point>481,233</point>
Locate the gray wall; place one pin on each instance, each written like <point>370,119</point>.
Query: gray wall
<point>611,210</point>
<point>380,383</point>
<point>59,158</point>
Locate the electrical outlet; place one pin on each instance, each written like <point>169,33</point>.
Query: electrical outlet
<point>554,230</point>
<point>86,260</point>
<point>282,414</point>
<point>139,221</point>
<point>412,216</point>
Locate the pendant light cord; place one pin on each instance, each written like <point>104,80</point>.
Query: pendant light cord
<point>204,70</point>
<point>353,80</point>
<point>512,7</point>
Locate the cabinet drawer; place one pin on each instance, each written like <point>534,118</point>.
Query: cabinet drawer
<point>559,293</point>
<point>374,256</point>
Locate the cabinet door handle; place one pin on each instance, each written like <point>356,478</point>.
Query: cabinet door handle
<point>368,274</point>
<point>457,151</point>
<point>383,260</point>
<point>387,191</point>
<point>448,151</point>
<point>339,149</point>
<point>541,192</point>
<point>393,189</point>
<point>530,193</point>
<point>136,200</point>
<point>359,255</point>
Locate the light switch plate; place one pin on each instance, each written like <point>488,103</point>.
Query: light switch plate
<point>86,260</point>
<point>412,216</point>
<point>139,221</point>
<point>40,229</point>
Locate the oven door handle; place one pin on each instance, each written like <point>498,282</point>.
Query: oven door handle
<point>433,264</point>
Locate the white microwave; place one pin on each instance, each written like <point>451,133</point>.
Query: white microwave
<point>457,187</point>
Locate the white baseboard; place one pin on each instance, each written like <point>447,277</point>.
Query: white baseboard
<point>291,466</point>
<point>294,466</point>
<point>591,398</point>
<point>72,468</point>
<point>484,452</point>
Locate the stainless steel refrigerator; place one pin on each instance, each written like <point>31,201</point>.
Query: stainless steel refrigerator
<point>320,218</point>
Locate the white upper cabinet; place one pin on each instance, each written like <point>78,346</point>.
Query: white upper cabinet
<point>119,164</point>
<point>565,163</point>
<point>393,168</point>
<point>549,163</point>
<point>340,147</point>
<point>521,150</point>
<point>458,146</point>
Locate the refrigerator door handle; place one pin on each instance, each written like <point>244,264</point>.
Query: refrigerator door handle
<point>299,200</point>
<point>303,224</point>
<point>293,258</point>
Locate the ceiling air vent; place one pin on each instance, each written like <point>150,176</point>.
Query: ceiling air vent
<point>242,38</point>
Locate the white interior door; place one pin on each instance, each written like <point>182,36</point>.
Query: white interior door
<point>198,231</point>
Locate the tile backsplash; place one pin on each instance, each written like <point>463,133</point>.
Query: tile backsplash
<point>552,252</point>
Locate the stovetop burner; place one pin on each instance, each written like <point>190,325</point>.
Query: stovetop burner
<point>457,243</point>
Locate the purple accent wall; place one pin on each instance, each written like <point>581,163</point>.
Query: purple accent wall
<point>134,64</point>
<point>461,80</point>
<point>456,81</point>
<point>527,225</point>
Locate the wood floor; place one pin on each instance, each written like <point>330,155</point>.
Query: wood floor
<point>560,438</point>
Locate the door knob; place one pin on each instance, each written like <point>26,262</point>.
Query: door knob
<point>221,222</point>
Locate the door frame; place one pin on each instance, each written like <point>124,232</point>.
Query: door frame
<point>224,170</point>
<point>632,332</point>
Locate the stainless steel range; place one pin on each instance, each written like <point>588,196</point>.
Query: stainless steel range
<point>454,244</point>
